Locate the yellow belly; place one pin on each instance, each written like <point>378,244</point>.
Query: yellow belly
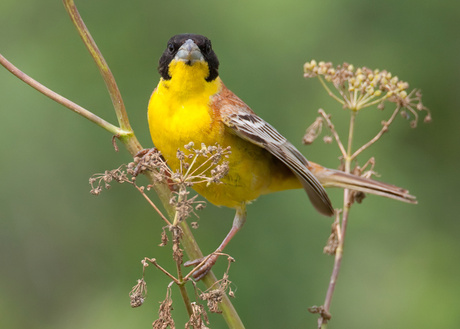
<point>175,122</point>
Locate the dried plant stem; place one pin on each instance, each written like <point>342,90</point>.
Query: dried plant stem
<point>359,88</point>
<point>322,321</point>
<point>384,129</point>
<point>183,290</point>
<point>152,204</point>
<point>341,226</point>
<point>229,313</point>
<point>62,100</point>
<point>178,281</point>
<point>330,92</point>
<point>333,131</point>
<point>188,241</point>
<point>107,75</point>
<point>351,132</point>
<point>186,299</point>
<point>154,262</point>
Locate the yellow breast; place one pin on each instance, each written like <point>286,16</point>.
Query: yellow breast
<point>180,112</point>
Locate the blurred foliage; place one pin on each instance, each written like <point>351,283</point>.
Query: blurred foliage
<point>69,259</point>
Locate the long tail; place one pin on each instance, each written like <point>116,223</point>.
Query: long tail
<point>336,178</point>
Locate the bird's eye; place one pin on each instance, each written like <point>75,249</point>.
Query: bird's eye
<point>208,47</point>
<point>171,48</point>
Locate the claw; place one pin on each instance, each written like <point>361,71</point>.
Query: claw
<point>210,260</point>
<point>143,152</point>
<point>204,269</point>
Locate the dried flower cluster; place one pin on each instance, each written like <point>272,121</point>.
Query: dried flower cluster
<point>205,165</point>
<point>214,297</point>
<point>152,161</point>
<point>359,88</point>
<point>193,170</point>
<point>118,175</point>
<point>165,318</point>
<point>197,166</point>
<point>356,89</point>
<point>198,318</point>
<point>138,293</point>
<point>177,234</point>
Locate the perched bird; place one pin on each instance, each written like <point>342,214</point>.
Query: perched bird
<point>191,104</point>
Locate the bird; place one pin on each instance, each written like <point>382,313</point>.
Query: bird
<point>192,104</point>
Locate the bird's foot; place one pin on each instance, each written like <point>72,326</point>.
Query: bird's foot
<point>206,264</point>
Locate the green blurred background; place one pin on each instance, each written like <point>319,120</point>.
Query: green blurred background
<point>69,259</point>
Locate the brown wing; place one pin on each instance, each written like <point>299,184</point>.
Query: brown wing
<point>246,124</point>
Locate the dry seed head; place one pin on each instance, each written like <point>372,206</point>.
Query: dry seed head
<point>327,139</point>
<point>118,175</point>
<point>189,146</point>
<point>165,319</point>
<point>313,131</point>
<point>200,206</point>
<point>198,318</point>
<point>138,293</point>
<point>362,87</point>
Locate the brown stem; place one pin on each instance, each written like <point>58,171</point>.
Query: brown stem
<point>107,75</point>
<point>330,92</point>
<point>341,231</point>
<point>186,299</point>
<point>62,100</point>
<point>384,129</point>
<point>154,262</point>
<point>322,321</point>
<point>182,289</point>
<point>333,131</point>
<point>152,204</point>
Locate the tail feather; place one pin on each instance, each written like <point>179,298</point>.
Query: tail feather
<point>336,178</point>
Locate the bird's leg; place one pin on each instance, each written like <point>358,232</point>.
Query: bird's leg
<point>210,260</point>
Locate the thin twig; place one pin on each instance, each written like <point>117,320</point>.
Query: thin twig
<point>330,92</point>
<point>154,262</point>
<point>341,231</point>
<point>186,299</point>
<point>376,101</point>
<point>107,75</point>
<point>384,129</point>
<point>114,130</point>
<point>333,131</point>
<point>351,132</point>
<point>141,190</point>
<point>182,289</point>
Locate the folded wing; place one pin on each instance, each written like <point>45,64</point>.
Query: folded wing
<point>246,124</point>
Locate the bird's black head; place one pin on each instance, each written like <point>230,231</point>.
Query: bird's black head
<point>189,48</point>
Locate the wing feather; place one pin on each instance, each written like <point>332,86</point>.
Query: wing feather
<point>246,124</point>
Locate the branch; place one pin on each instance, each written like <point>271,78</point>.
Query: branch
<point>384,129</point>
<point>107,75</point>
<point>330,93</point>
<point>114,130</point>
<point>333,131</point>
<point>325,314</point>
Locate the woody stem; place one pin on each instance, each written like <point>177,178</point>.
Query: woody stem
<point>325,316</point>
